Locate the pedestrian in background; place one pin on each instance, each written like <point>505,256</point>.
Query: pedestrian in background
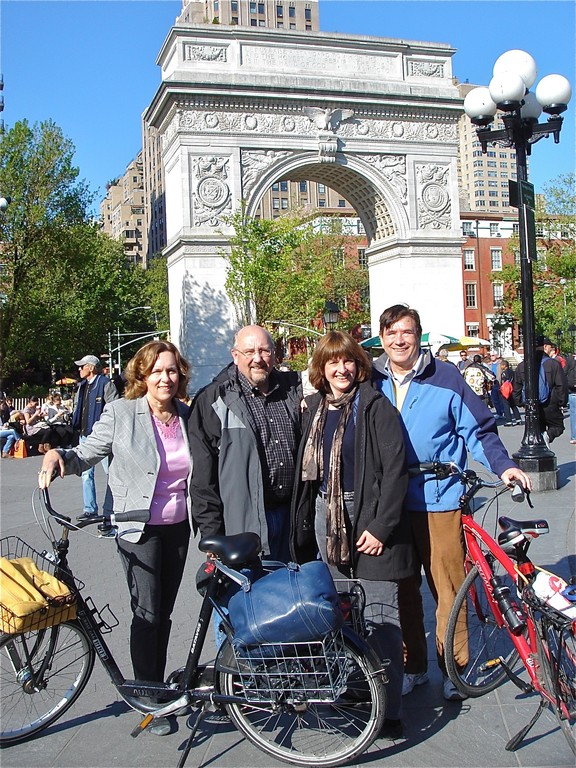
<point>94,392</point>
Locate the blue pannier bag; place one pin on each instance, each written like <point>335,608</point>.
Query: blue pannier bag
<point>297,603</point>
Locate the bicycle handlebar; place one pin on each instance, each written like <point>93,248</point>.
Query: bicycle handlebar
<point>134,516</point>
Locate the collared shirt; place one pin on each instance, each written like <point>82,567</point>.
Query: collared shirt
<point>275,432</point>
<point>401,384</point>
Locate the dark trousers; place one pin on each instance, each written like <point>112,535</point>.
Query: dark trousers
<point>154,566</point>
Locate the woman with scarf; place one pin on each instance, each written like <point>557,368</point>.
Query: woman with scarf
<point>351,478</point>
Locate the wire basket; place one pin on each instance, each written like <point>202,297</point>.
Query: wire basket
<point>352,602</point>
<point>27,615</point>
<point>294,672</point>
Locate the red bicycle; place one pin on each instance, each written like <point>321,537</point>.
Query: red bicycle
<point>510,614</point>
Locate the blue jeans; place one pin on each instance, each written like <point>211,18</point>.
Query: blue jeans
<point>11,437</point>
<point>89,489</point>
<point>572,406</point>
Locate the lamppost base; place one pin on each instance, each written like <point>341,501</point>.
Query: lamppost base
<point>541,467</point>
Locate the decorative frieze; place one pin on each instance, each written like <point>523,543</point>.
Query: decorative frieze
<point>393,168</point>
<point>420,68</point>
<point>205,52</point>
<point>255,163</point>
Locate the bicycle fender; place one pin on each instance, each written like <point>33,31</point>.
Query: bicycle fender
<point>362,647</point>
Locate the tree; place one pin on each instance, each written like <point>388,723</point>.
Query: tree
<point>286,268</point>
<point>554,273</point>
<point>63,281</point>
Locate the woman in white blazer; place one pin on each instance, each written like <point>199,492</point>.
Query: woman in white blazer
<point>145,436</point>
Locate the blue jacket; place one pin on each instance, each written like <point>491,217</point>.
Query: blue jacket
<point>101,392</point>
<point>442,417</point>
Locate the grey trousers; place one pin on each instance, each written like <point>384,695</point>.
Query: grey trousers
<point>382,617</point>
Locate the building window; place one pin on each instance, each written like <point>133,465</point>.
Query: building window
<point>303,186</point>
<point>470,289</point>
<point>292,12</point>
<point>253,22</point>
<point>498,294</point>
<point>341,203</point>
<point>252,7</point>
<point>494,204</point>
<point>362,258</point>
<point>260,7</point>
<point>322,203</point>
<point>308,14</point>
<point>516,258</point>
<point>234,20</point>
<point>496,259</point>
<point>275,187</point>
<point>276,203</point>
<point>283,186</point>
<point>279,11</point>
<point>234,6</point>
<point>494,229</point>
<point>472,329</point>
<point>321,189</point>
<point>515,228</point>
<point>467,228</point>
<point>469,259</point>
<point>284,204</point>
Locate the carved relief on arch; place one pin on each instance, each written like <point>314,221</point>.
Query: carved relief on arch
<point>254,163</point>
<point>393,168</point>
<point>210,191</point>
<point>434,205</point>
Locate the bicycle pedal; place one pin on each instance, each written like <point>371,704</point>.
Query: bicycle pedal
<point>142,725</point>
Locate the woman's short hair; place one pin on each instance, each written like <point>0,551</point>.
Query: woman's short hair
<point>332,346</point>
<point>141,365</point>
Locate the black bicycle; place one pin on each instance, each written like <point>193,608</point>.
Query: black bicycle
<point>318,703</point>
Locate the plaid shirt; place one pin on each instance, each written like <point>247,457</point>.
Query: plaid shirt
<point>276,436</point>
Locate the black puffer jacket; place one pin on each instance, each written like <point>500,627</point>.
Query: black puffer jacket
<point>380,482</point>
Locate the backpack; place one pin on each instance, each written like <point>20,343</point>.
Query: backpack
<point>543,386</point>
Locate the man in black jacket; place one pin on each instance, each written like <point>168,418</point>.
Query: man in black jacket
<point>549,410</point>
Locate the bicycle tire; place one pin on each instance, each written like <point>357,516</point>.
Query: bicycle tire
<point>487,642</point>
<point>72,660</point>
<point>557,650</point>
<point>318,734</point>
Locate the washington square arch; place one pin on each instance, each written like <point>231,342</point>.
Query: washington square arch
<point>375,119</point>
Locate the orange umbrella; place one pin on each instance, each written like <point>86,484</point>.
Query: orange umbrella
<point>66,381</point>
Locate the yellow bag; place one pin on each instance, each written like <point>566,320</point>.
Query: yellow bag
<point>31,598</point>
<point>20,450</point>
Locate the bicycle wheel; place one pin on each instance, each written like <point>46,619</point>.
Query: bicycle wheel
<point>487,642</point>
<point>28,706</point>
<point>557,649</point>
<point>314,733</point>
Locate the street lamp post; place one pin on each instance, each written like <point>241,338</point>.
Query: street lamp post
<point>331,315</point>
<point>513,75</point>
<point>119,335</point>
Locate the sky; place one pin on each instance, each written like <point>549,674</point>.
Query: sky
<point>90,66</point>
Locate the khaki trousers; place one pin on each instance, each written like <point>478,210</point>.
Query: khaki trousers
<point>439,543</point>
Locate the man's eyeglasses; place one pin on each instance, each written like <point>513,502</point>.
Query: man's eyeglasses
<point>264,353</point>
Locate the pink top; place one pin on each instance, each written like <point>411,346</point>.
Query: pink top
<point>169,500</point>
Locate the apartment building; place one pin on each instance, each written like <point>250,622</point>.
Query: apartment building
<point>279,14</point>
<point>483,177</point>
<point>122,212</point>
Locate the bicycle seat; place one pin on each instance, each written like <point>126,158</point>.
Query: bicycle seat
<point>513,529</point>
<point>233,550</point>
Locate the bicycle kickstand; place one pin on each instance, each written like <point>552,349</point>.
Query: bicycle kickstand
<point>515,740</point>
<point>188,746</point>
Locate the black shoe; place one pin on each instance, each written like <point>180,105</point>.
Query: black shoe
<point>391,730</point>
<point>86,516</point>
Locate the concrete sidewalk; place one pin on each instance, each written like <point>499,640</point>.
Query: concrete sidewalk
<point>95,732</point>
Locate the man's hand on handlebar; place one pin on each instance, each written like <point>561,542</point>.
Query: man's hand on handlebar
<point>514,474</point>
<point>52,466</point>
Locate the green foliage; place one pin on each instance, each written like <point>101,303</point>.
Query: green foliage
<point>64,281</point>
<point>286,268</point>
<point>554,273</point>
<point>156,278</point>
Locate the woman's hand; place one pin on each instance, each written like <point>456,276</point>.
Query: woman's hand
<point>369,545</point>
<point>52,462</point>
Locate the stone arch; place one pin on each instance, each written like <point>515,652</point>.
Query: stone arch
<point>375,186</point>
<point>373,118</point>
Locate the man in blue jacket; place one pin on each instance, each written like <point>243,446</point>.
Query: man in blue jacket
<point>94,391</point>
<point>442,419</point>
